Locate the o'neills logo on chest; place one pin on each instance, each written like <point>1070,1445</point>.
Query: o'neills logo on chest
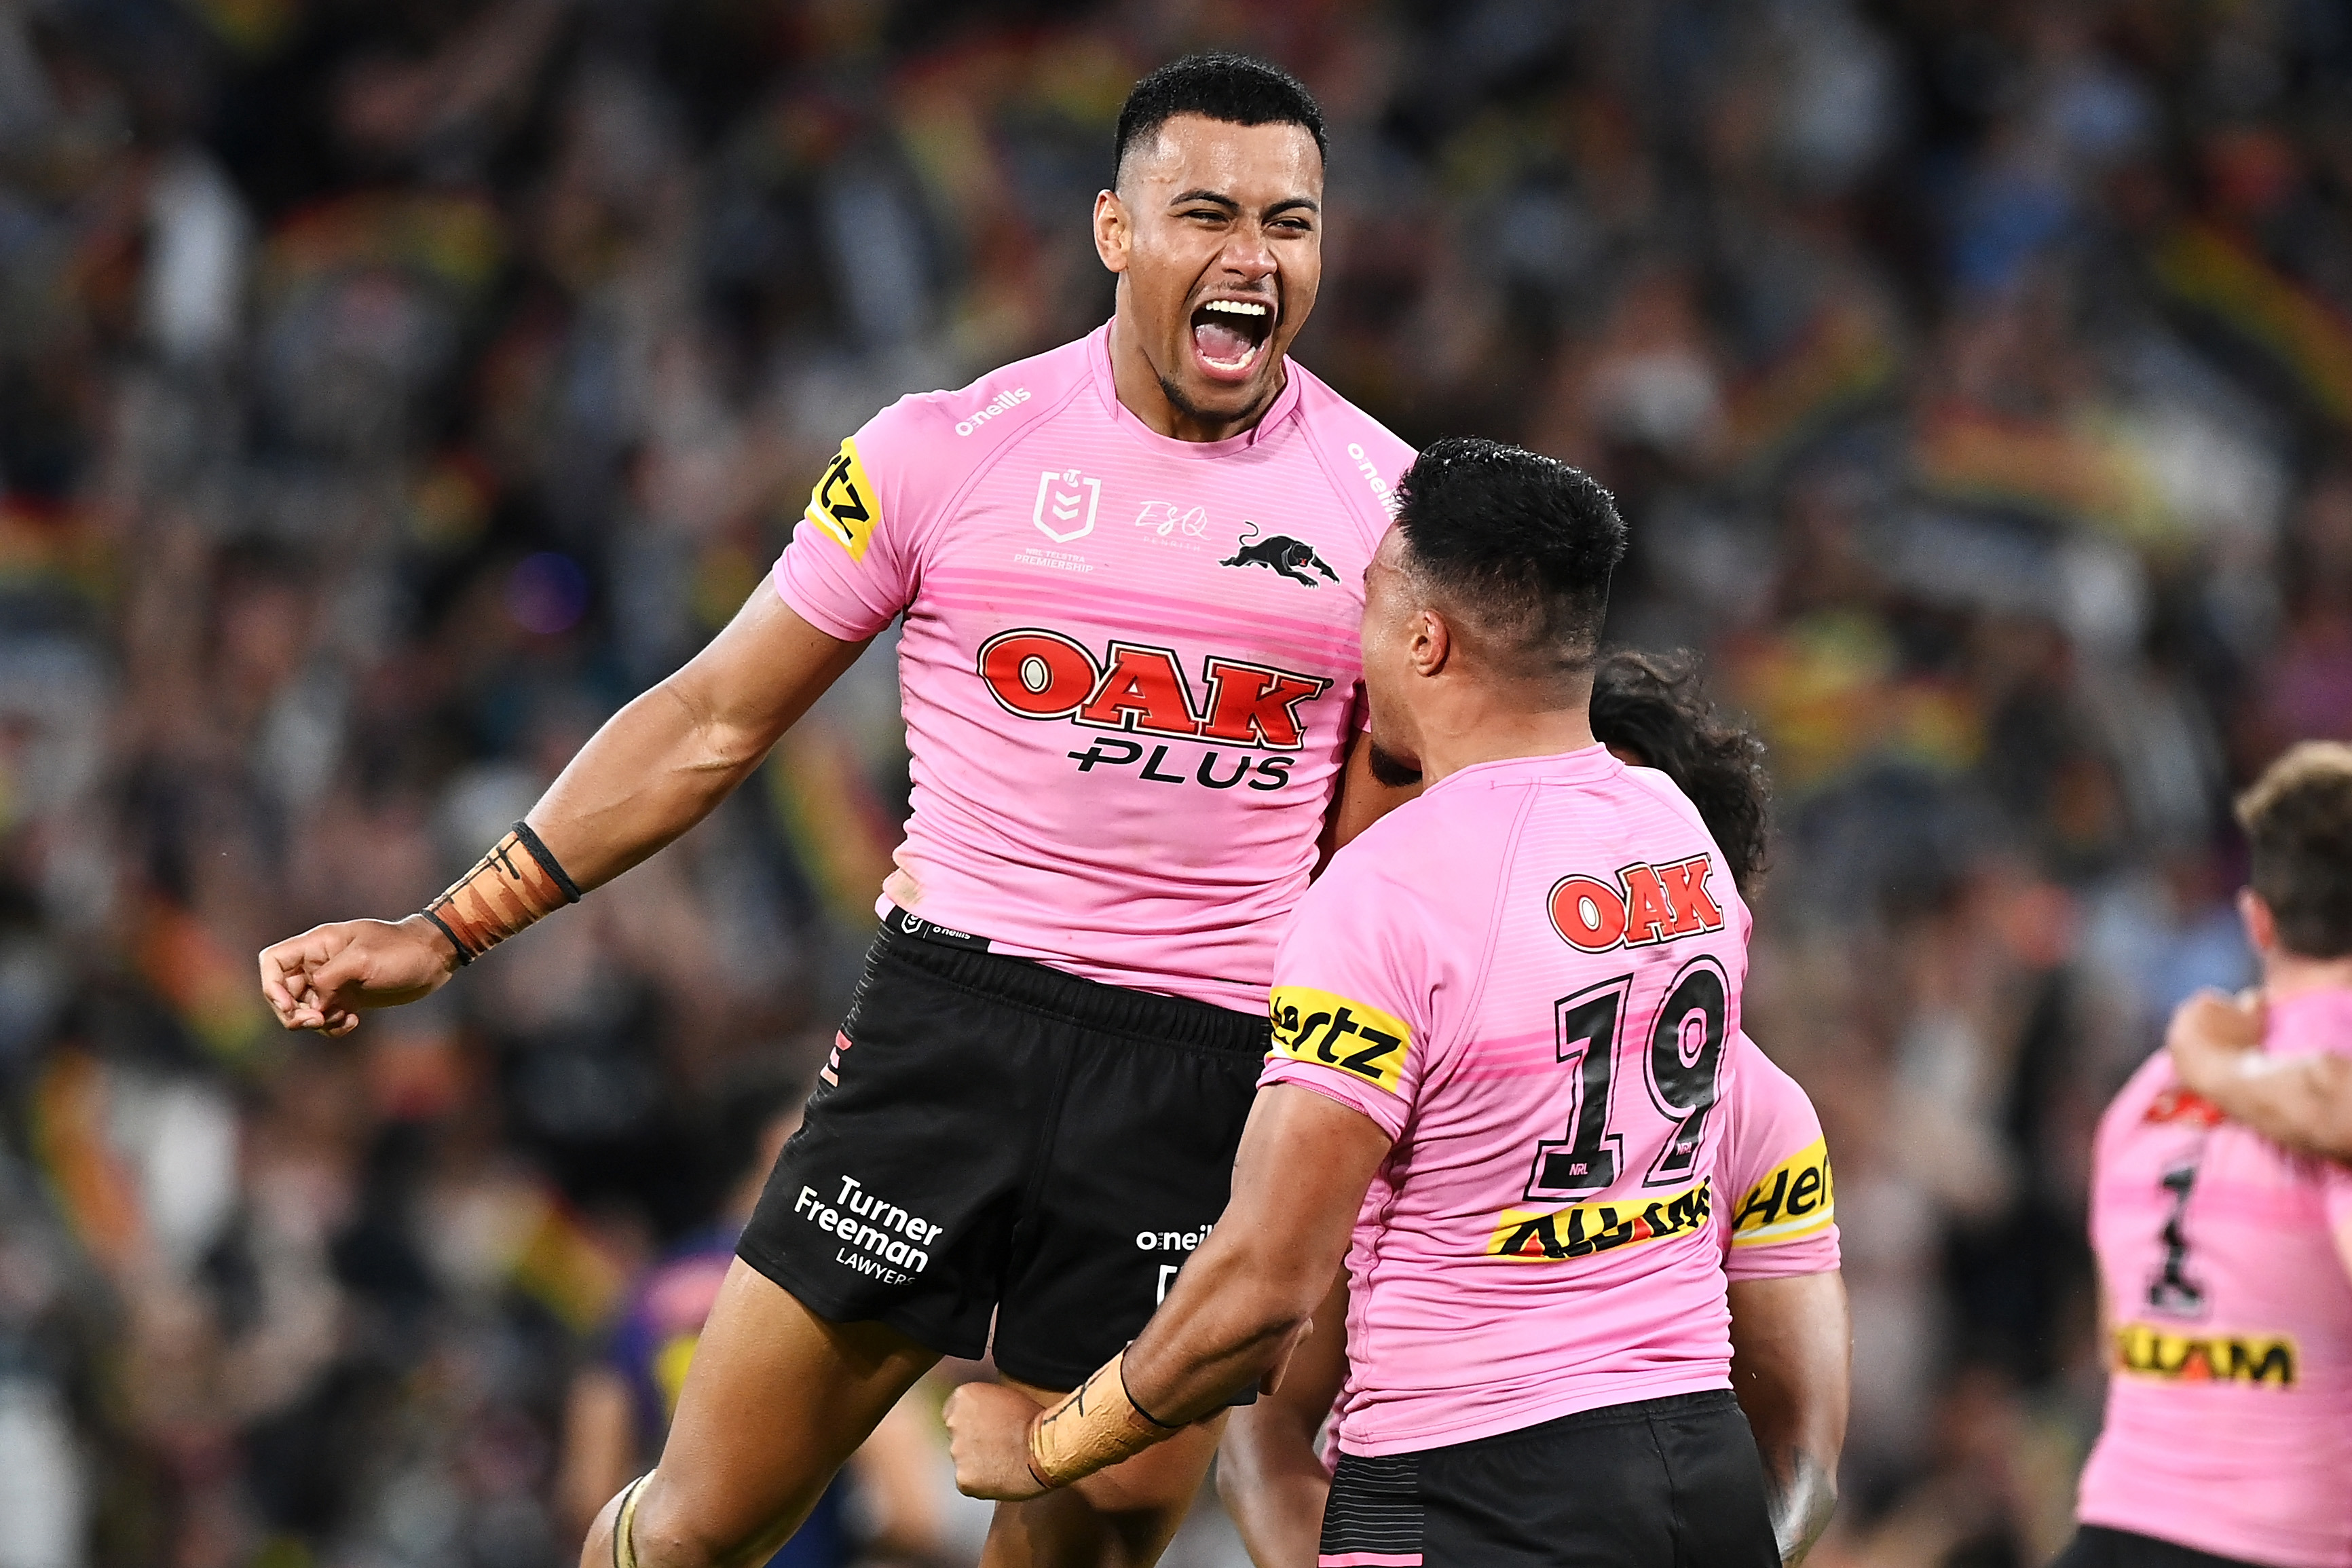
<point>1046,674</point>
<point>1643,904</point>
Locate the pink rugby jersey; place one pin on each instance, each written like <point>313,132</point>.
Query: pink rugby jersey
<point>1781,1219</point>
<point>1129,663</point>
<point>2229,1424</point>
<point>1529,978</point>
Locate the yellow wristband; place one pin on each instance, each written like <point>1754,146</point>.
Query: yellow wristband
<point>1093,1429</point>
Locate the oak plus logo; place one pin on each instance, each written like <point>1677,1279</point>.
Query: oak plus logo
<point>1066,501</point>
<point>1139,690</point>
<point>1643,905</point>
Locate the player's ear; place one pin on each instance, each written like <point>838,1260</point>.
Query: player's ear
<point>1112,230</point>
<point>1432,642</point>
<point>2262,926</point>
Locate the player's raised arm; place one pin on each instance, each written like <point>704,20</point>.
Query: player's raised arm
<point>1238,1306</point>
<point>656,769</point>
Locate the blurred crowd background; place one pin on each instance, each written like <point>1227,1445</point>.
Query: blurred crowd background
<point>388,389</point>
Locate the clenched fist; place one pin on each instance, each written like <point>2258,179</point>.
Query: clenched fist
<point>988,1433</point>
<point>322,979</point>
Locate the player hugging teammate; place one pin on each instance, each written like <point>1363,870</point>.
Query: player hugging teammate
<point>1132,575</point>
<point>1535,1310</point>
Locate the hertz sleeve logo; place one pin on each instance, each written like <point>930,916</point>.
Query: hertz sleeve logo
<point>1316,1027</point>
<point>843,503</point>
<point>2255,1360</point>
<point>1581,1230</point>
<point>1797,1198</point>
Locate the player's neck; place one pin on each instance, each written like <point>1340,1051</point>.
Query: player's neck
<point>1141,393</point>
<point>1497,737</point>
<point>2287,973</point>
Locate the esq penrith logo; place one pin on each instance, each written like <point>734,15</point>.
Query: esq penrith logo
<point>1279,553</point>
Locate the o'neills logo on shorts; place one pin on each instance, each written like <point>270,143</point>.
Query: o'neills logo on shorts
<point>1581,1230</point>
<point>888,1242</point>
<point>2257,1359</point>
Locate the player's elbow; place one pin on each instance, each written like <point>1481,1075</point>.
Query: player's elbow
<point>716,744</point>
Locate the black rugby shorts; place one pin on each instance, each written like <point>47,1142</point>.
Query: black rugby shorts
<point>994,1136</point>
<point>2095,1546</point>
<point>1660,1483</point>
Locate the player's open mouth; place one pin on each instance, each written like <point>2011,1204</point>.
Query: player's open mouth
<point>1229,334</point>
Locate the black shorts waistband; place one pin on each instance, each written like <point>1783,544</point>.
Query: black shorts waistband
<point>962,959</point>
<point>1666,1406</point>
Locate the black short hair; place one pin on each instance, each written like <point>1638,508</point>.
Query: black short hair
<point>1522,543</point>
<point>2298,823</point>
<point>1655,708</point>
<point>1235,88</point>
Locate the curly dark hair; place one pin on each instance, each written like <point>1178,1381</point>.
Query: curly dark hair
<point>1656,708</point>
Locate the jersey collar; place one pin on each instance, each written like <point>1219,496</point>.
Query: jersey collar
<point>1098,363</point>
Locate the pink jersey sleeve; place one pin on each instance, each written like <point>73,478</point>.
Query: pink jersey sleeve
<point>851,564</point>
<point>1775,1159</point>
<point>1347,1024</point>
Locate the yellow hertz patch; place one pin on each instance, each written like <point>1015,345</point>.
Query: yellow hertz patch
<point>1311,1025</point>
<point>1547,1236</point>
<point>1796,1199</point>
<point>2258,1358</point>
<point>844,504</point>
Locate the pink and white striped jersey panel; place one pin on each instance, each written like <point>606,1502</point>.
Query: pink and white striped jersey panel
<point>1529,978</point>
<point>2228,1422</point>
<point>1129,663</point>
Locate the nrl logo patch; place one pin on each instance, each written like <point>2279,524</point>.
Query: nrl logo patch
<point>1065,504</point>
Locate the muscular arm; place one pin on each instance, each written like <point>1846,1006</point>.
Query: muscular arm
<point>1298,1180</point>
<point>1791,1349</point>
<point>1269,1476</point>
<point>656,769</point>
<point>661,763</point>
<point>2301,1103</point>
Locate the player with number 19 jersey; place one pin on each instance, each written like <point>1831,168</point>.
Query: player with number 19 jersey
<point>2229,1424</point>
<point>1527,977</point>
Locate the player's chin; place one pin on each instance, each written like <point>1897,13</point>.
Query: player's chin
<point>1227,397</point>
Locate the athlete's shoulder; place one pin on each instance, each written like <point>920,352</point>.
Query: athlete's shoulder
<point>1363,453</point>
<point>1771,1111</point>
<point>957,431</point>
<point>1424,862</point>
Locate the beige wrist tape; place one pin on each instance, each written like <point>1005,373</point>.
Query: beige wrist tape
<point>1093,1429</point>
<point>515,884</point>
